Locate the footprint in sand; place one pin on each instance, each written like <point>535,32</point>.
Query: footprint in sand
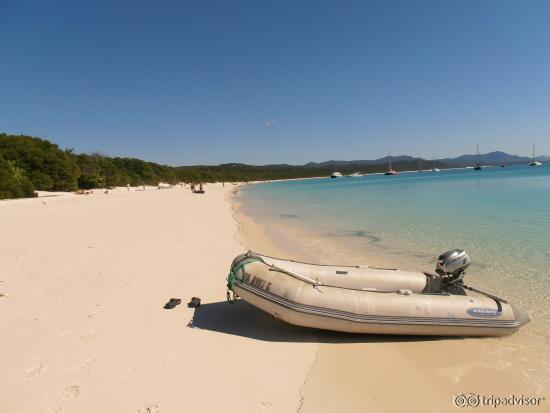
<point>93,316</point>
<point>265,405</point>
<point>154,408</point>
<point>87,337</point>
<point>71,392</point>
<point>86,367</point>
<point>36,371</point>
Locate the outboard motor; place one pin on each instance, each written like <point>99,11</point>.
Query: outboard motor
<point>451,265</point>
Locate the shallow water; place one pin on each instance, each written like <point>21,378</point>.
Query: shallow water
<point>500,216</point>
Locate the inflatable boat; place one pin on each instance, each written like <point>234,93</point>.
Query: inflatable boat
<point>363,299</point>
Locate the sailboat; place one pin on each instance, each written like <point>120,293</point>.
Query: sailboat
<point>390,170</point>
<point>420,165</point>
<point>478,165</point>
<point>534,163</point>
<point>434,169</point>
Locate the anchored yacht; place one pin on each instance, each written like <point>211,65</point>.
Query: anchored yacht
<point>533,162</point>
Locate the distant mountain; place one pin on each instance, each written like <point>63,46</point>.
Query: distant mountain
<point>361,162</point>
<point>405,161</point>
<point>28,163</point>
<point>491,158</point>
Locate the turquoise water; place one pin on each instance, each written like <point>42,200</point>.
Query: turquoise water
<point>500,216</point>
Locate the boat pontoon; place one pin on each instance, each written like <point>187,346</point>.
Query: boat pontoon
<point>363,299</point>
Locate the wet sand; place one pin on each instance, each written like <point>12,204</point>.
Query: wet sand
<point>355,373</point>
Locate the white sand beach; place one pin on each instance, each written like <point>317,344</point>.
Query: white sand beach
<point>210,133</point>
<point>83,283</point>
<point>84,279</point>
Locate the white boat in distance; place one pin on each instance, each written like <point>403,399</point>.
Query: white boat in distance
<point>390,169</point>
<point>336,175</point>
<point>535,163</point>
<point>355,175</point>
<point>478,164</point>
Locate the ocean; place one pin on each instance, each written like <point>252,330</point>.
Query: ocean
<point>500,216</point>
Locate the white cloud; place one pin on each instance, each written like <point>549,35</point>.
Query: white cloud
<point>270,123</point>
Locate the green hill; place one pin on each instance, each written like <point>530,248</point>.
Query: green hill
<point>28,163</point>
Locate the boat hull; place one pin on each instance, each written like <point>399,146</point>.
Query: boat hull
<point>297,301</point>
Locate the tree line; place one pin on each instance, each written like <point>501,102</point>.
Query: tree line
<point>28,163</point>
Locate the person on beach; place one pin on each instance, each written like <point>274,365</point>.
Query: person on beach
<point>128,187</point>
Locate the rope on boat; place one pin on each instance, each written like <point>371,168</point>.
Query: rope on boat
<point>232,279</point>
<point>298,276</point>
<point>310,263</point>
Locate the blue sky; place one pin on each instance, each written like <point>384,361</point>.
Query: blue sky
<point>267,82</point>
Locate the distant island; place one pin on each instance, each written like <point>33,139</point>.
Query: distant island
<point>29,163</point>
<point>490,159</point>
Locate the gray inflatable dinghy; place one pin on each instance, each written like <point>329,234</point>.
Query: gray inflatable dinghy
<point>363,299</point>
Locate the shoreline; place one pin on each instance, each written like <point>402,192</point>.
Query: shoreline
<point>363,373</point>
<point>51,194</point>
<point>81,295</point>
